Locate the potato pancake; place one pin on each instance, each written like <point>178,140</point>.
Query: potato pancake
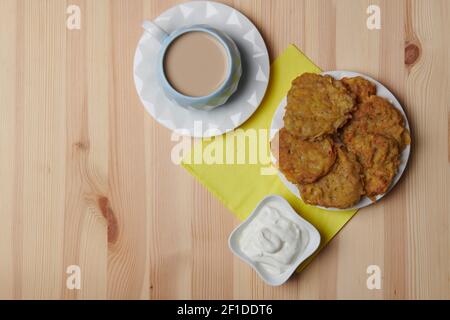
<point>379,157</point>
<point>341,188</point>
<point>317,105</point>
<point>303,161</point>
<point>377,116</point>
<point>360,88</point>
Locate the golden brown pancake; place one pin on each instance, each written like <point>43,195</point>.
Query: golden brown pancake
<point>341,188</point>
<point>360,88</point>
<point>379,157</point>
<point>303,161</point>
<point>377,116</point>
<point>317,105</point>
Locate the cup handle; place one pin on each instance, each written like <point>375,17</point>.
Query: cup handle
<point>155,30</point>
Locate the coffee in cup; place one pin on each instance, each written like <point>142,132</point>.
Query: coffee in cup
<point>196,64</point>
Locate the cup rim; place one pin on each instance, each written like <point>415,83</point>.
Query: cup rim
<point>199,28</point>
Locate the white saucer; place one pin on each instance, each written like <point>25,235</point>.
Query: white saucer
<point>382,91</point>
<point>252,86</point>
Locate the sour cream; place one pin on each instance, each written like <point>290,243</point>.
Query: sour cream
<point>273,240</point>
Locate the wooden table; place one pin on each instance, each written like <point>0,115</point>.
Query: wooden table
<point>86,177</point>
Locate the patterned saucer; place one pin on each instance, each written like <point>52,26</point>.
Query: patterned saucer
<point>252,86</point>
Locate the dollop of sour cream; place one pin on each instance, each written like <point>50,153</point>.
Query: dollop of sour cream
<point>273,240</point>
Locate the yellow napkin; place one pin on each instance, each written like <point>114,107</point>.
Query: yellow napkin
<point>242,186</point>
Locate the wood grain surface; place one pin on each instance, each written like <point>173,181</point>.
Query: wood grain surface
<point>86,177</point>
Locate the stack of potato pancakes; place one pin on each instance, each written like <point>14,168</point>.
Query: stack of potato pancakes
<point>340,140</point>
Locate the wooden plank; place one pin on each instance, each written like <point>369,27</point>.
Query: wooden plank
<point>86,176</point>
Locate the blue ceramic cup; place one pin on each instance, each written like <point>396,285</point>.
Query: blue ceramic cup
<point>228,86</point>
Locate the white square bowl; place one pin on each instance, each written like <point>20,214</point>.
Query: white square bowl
<point>289,212</point>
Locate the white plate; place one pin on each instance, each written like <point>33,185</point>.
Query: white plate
<point>308,250</point>
<point>382,91</point>
<point>252,86</point>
